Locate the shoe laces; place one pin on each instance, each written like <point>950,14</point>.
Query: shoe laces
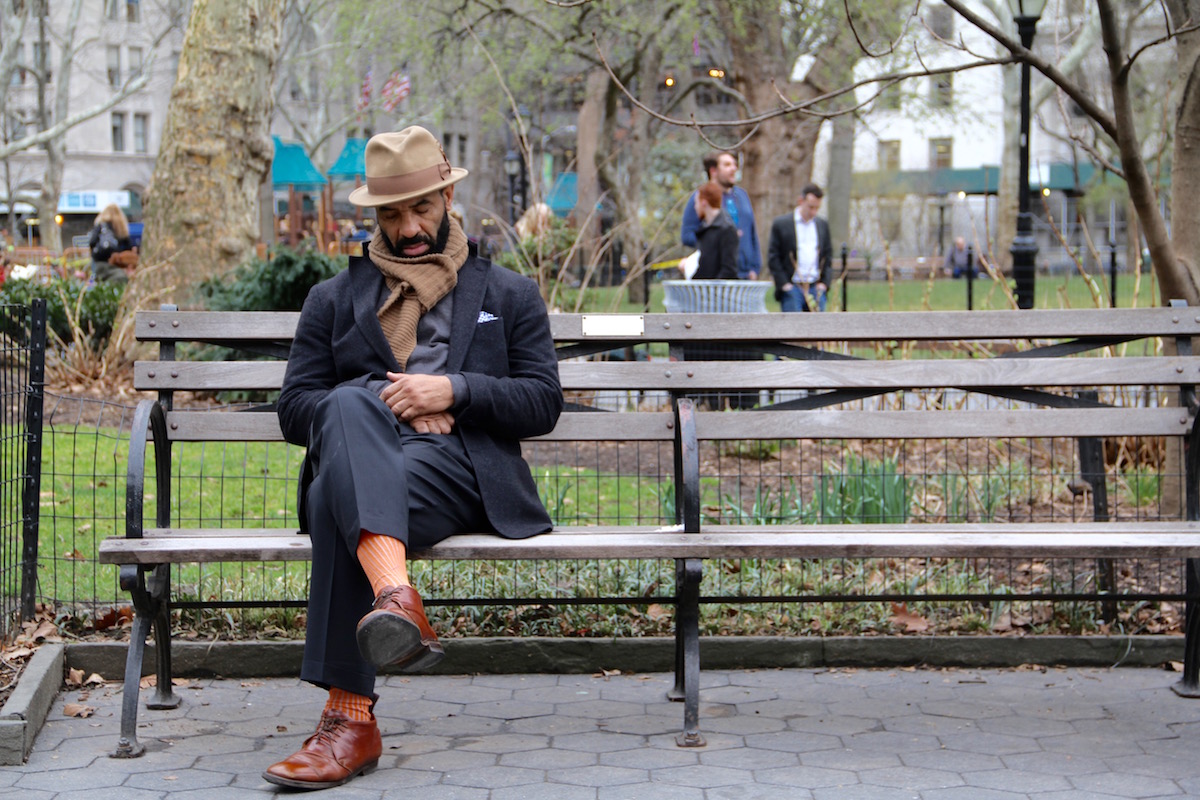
<point>327,728</point>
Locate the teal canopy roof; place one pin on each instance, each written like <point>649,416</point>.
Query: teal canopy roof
<point>563,194</point>
<point>292,167</point>
<point>350,163</point>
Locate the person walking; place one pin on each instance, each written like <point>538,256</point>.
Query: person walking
<point>800,253</point>
<point>717,237</point>
<point>722,167</point>
<point>108,238</point>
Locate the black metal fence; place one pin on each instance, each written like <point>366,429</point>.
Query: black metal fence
<point>23,350</point>
<point>82,501</point>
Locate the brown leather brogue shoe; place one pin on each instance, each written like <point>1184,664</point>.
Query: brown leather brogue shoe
<point>396,632</point>
<point>341,749</point>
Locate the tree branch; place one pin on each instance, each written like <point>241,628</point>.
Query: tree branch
<point>1014,46</point>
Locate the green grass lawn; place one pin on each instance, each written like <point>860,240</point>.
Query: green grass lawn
<point>914,294</point>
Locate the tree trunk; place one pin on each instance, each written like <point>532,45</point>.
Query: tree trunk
<point>998,242</point>
<point>1185,165</point>
<point>202,204</point>
<point>840,183</point>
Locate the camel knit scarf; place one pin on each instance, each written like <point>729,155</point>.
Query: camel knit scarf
<point>416,284</point>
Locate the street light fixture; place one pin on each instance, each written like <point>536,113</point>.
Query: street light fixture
<point>1024,246</point>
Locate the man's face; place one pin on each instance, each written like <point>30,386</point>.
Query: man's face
<point>419,226</point>
<point>726,171</point>
<point>809,205</point>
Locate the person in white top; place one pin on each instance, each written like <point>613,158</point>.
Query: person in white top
<point>800,253</point>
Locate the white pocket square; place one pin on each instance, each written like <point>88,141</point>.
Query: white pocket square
<point>485,316</point>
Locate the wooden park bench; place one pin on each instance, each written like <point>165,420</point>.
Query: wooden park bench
<point>905,377</point>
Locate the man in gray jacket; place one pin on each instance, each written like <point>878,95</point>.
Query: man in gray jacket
<point>412,378</point>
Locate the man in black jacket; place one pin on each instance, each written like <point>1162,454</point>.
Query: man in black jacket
<point>799,254</point>
<point>412,378</point>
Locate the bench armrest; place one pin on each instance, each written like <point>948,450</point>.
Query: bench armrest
<point>149,419</point>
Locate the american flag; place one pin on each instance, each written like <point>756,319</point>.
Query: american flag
<point>364,97</point>
<point>394,90</point>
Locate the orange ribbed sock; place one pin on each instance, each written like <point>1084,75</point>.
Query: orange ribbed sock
<point>384,559</point>
<point>354,706</point>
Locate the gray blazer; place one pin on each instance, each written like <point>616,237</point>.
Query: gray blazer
<point>500,343</point>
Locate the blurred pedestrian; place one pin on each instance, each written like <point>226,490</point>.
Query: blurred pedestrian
<point>799,254</point>
<point>722,167</point>
<point>717,237</point>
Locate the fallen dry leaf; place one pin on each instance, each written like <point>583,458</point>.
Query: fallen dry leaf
<point>150,681</point>
<point>78,710</point>
<point>913,623</point>
<point>94,680</point>
<point>74,677</point>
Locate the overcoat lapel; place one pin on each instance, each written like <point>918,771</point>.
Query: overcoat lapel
<point>468,302</point>
<point>364,283</point>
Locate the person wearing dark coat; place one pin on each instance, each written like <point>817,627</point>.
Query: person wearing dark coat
<point>109,236</point>
<point>412,378</point>
<point>800,253</point>
<point>716,238</point>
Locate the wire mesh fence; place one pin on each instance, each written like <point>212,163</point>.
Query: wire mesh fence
<point>22,349</point>
<point>615,483</point>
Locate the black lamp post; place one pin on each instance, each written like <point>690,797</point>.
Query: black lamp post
<point>512,168</point>
<point>1024,245</point>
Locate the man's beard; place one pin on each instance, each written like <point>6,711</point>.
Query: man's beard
<point>435,245</point>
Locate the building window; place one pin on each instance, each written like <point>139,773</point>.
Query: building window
<point>141,124</point>
<point>135,62</point>
<point>41,61</point>
<point>133,12</point>
<point>113,59</point>
<point>889,155</point>
<point>112,9</point>
<point>18,73</point>
<point>940,20</point>
<point>941,153</point>
<point>942,90</point>
<point>889,98</point>
<point>118,131</point>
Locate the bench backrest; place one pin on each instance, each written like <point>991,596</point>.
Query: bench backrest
<point>1038,349</point>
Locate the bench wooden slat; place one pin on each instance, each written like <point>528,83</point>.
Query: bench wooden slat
<point>962,540</point>
<point>867,374</point>
<point>166,326</point>
<point>944,424</point>
<point>740,375</point>
<point>649,426</point>
<point>573,426</point>
<point>215,326</point>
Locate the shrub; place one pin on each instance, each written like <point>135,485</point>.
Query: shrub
<point>279,283</point>
<point>70,305</point>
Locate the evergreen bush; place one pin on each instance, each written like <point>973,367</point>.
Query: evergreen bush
<point>279,283</point>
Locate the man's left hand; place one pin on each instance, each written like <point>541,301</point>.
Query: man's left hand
<point>434,423</point>
<point>413,395</point>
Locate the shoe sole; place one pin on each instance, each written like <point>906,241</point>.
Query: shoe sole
<point>389,640</point>
<point>314,785</point>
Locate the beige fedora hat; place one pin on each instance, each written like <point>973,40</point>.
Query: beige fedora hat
<point>402,165</point>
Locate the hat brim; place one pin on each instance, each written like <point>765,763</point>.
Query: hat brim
<point>363,198</point>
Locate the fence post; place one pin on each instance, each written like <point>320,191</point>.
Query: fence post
<point>30,501</point>
<point>970,277</point>
<point>1112,273</point>
<point>845,274</point>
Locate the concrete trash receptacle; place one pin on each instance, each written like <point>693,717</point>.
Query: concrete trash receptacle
<point>716,297</point>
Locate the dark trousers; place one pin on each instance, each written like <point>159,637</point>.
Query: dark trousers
<point>372,472</point>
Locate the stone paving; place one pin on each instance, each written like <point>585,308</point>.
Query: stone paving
<point>849,734</point>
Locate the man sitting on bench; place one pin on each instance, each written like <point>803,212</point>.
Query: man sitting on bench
<point>412,377</point>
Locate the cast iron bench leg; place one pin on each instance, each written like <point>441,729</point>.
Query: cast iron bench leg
<point>688,640</point>
<point>150,611</point>
<point>1189,686</point>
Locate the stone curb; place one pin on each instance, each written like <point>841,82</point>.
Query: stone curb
<point>27,706</point>
<point>501,655</point>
